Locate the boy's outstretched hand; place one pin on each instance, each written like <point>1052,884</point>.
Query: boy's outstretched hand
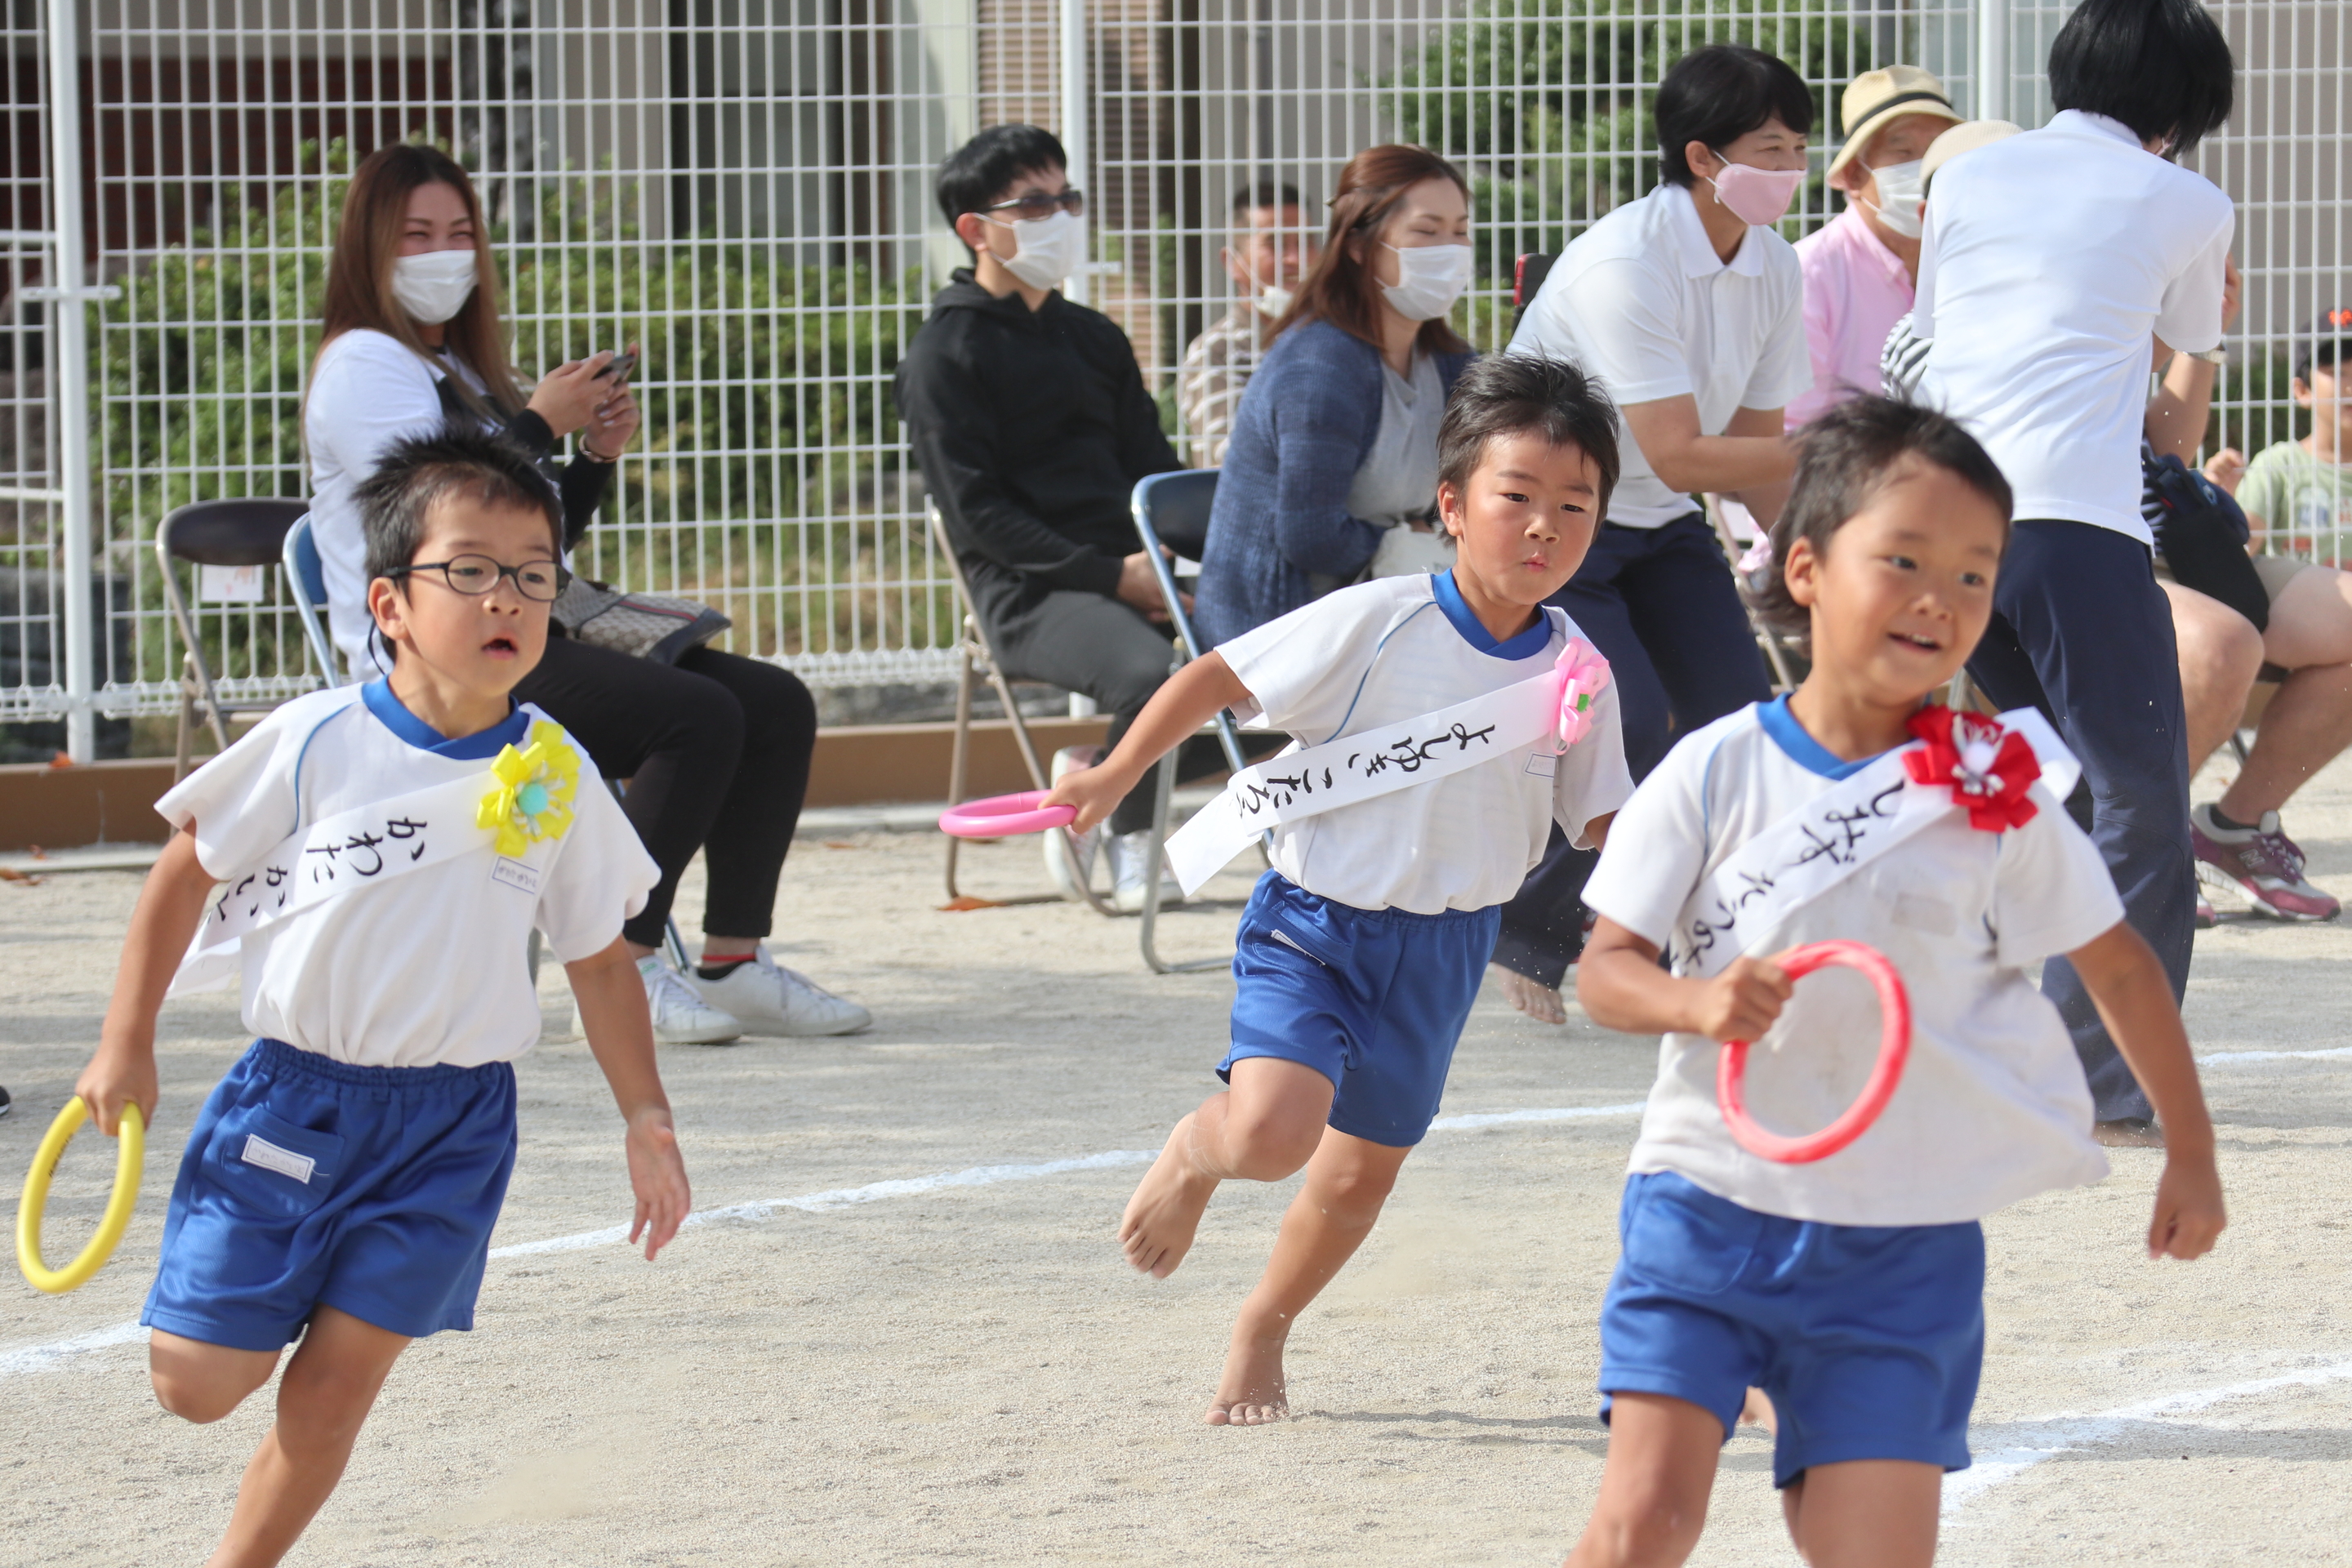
<point>1093,792</point>
<point>657,1175</point>
<point>2188,1213</point>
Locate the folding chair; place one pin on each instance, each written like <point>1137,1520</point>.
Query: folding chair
<point>976,655</point>
<point>306,580</point>
<point>248,531</point>
<point>1775,648</point>
<point>1172,511</point>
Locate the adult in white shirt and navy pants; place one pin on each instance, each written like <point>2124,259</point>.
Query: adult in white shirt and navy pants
<point>1689,310</point>
<point>2057,264</point>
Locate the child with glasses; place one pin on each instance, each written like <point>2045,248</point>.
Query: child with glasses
<point>370,862</point>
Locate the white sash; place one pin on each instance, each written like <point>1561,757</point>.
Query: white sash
<point>1829,839</point>
<point>1317,779</point>
<point>370,845</point>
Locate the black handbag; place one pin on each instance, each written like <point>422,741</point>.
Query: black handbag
<point>2201,533</point>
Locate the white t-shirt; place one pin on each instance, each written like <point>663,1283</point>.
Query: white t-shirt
<point>2049,262</point>
<point>367,391</point>
<point>421,969</point>
<point>1396,649</point>
<point>1641,300</point>
<point>1993,1107</point>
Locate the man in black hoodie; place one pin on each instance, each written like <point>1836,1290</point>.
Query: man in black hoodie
<point>1031,423</point>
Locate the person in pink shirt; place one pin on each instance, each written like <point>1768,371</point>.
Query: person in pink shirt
<point>1861,269</point>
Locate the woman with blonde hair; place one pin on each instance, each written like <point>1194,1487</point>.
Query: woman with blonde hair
<point>716,746</point>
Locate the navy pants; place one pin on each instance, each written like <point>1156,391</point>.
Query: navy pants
<point>1661,606</point>
<point>2081,631</point>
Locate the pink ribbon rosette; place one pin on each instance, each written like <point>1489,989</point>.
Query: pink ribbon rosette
<point>1584,675</point>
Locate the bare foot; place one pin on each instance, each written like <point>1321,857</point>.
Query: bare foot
<point>1157,1230</point>
<point>1251,1393</point>
<point>1538,1001</point>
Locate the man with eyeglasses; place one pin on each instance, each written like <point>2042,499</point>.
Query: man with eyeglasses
<point>1032,424</point>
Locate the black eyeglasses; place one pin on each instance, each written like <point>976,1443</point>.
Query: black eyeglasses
<point>1036,204</point>
<point>479,574</point>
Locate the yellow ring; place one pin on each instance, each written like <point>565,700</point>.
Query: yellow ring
<point>127,1161</point>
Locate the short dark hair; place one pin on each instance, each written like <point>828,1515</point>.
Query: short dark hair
<point>984,168</point>
<point>1842,458</point>
<point>2162,66</point>
<point>1266,194</point>
<point>1528,394</point>
<point>459,462</point>
<point>1716,95</point>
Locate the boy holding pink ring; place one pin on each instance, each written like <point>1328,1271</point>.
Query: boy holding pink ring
<point>1852,1289</point>
<point>1443,723</point>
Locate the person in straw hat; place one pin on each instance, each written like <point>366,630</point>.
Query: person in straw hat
<point>1862,268</point>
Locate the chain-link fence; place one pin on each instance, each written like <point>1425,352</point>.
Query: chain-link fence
<point>743,187</point>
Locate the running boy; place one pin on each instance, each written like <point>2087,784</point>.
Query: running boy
<point>1852,1289</point>
<point>384,852</point>
<point>1361,953</point>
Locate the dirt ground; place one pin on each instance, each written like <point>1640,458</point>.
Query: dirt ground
<point>966,1369</point>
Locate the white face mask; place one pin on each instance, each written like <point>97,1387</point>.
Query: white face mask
<point>1273,300</point>
<point>1898,197</point>
<point>1050,249</point>
<point>433,286</point>
<point>1430,277</point>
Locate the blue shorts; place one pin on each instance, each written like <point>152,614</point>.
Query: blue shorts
<point>1373,1000</point>
<point>1868,1338</point>
<point>312,1183</point>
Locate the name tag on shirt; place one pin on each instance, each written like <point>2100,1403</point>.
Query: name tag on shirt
<point>261,1151</point>
<point>1542,763</point>
<point>515,875</point>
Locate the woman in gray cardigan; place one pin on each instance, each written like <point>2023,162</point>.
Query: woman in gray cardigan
<point>1333,461</point>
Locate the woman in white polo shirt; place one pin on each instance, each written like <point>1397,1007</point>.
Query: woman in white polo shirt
<point>1690,311</point>
<point>2054,266</point>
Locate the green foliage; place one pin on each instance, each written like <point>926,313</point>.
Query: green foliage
<point>764,385</point>
<point>1551,100</point>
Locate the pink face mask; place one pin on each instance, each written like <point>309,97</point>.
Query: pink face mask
<point>1758,196</point>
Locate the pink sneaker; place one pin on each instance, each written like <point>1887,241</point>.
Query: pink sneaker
<point>2261,863</point>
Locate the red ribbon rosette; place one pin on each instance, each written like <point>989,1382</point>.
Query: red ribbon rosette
<point>1988,767</point>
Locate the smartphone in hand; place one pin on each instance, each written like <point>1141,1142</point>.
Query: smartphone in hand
<point>620,369</point>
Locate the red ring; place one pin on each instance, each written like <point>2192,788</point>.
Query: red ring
<point>1894,1050</point>
<point>1002,816</point>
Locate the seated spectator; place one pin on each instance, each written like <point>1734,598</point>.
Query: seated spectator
<point>1862,268</point>
<point>716,747</point>
<point>1268,254</point>
<point>1332,469</point>
<point>2297,501</point>
<point>1032,425</point>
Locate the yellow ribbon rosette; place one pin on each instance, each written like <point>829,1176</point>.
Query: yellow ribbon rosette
<point>531,790</point>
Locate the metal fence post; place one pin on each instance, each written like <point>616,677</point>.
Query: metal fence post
<point>1074,128</point>
<point>1992,59</point>
<point>69,400</point>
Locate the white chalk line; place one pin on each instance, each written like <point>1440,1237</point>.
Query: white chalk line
<point>2025,1443</point>
<point>2221,1058</point>
<point>37,1358</point>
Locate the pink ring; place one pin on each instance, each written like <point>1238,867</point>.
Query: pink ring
<point>1894,1050</point>
<point>1002,816</point>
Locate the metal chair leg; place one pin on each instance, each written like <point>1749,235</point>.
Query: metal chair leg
<point>1163,792</point>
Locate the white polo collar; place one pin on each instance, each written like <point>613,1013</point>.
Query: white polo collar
<point>2098,125</point>
<point>1692,247</point>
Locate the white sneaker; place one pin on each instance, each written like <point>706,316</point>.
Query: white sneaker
<point>680,1017</point>
<point>1128,852</point>
<point>1072,877</point>
<point>772,1000</point>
